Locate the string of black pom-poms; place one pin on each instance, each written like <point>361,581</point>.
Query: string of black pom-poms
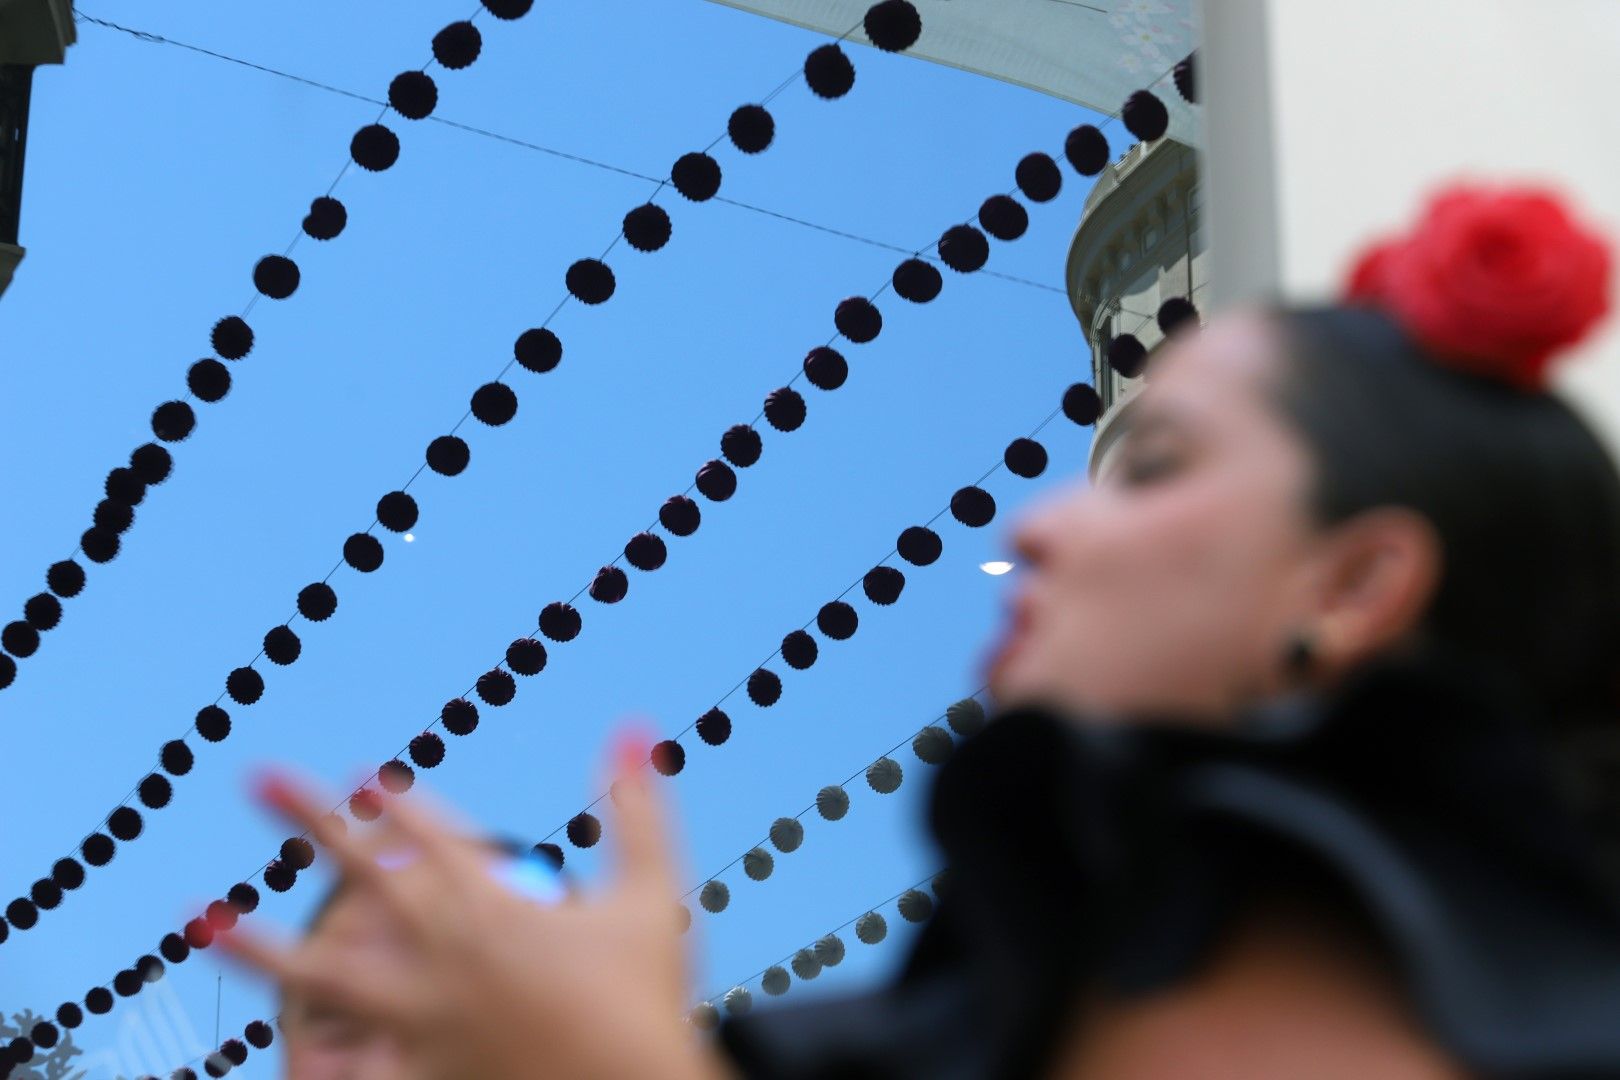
<point>871,928</point>
<point>931,744</point>
<point>374,148</point>
<point>647,228</point>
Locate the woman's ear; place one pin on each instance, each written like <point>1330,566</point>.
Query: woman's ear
<point>1382,568</point>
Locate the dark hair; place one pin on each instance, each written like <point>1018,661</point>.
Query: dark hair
<point>1524,498</point>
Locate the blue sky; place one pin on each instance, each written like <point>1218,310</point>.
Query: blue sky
<point>157,177</point>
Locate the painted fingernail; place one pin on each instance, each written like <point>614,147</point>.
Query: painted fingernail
<point>633,750</point>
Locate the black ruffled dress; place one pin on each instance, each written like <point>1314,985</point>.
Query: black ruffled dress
<point>1417,798</point>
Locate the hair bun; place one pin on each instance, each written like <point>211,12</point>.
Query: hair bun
<point>1492,281</point>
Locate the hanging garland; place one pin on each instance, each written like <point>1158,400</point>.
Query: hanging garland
<point>932,745</point>
<point>591,281</point>
<point>913,905</point>
<point>375,148</point>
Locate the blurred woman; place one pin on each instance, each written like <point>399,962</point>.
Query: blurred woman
<point>1305,761</point>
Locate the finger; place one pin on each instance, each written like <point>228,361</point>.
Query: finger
<point>642,836</point>
<point>430,829</point>
<point>298,804</point>
<point>349,979</point>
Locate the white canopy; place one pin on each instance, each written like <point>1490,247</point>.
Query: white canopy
<point>1094,53</point>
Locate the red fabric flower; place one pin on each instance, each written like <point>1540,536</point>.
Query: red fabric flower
<point>1494,282</point>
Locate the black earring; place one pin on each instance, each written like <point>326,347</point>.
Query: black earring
<point>1299,659</point>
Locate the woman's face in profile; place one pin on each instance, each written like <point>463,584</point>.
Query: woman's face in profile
<point>1173,583</point>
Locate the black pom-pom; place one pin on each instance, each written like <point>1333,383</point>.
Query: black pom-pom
<point>1145,116</point>
<point>45,894</point>
<point>826,368</point>
<point>697,176</point>
<point>917,281</point>
<point>1087,150</point>
<point>244,685</point>
<point>209,379</point>
<point>215,1065</point>
<point>1186,78</point>
<point>427,750</point>
<point>173,421</point>
<point>560,621</point>
<point>155,791</point>
<point>413,94</point>
<point>99,1001</point>
<point>67,873</point>
<point>680,515</point>
<point>668,757</point>
<point>259,1034</point>
<point>751,128</point>
<point>526,656</point>
<point>964,249</point>
<point>276,276</point>
<point>457,45</point>
<point>374,148</point>
<point>883,584</point>
<point>8,671</point>
<point>764,688</point>
<point>125,486</point>
<point>741,445</point>
<point>646,551</point>
<point>1177,313</point>
<point>397,512</point>
<point>127,983</point>
<point>396,777</point>
<point>1039,177</point>
<point>448,455</point>
<point>279,877</point>
<point>65,578</point>
<point>232,338</point>
<point>973,507</point>
<point>44,1035</point>
<point>363,551</point>
<point>610,585</point>
<point>716,481</point>
<point>1004,217</point>
<point>538,350</point>
<point>496,687</point>
<point>551,853</point>
<point>647,227</point>
<point>837,620</point>
<point>234,1050</point>
<point>494,403</point>
<point>784,409</point>
<point>1127,355</point>
<point>149,968</point>
<point>42,611</point>
<point>326,218</point>
<point>19,639</point>
<point>174,948</point>
<point>213,723</point>
<point>799,650</point>
<point>590,281</point>
<point>584,830</point>
<point>69,1015</point>
<point>459,717</point>
<point>1025,457</point>
<point>829,72</point>
<point>113,516</point>
<point>22,914</point>
<point>198,933</point>
<point>714,727</point>
<point>893,25</point>
<point>151,463</point>
<point>99,545</point>
<point>317,602</point>
<point>243,897</point>
<point>97,849</point>
<point>920,546</point>
<point>858,319</point>
<point>1081,404</point>
<point>508,9</point>
<point>125,823</point>
<point>281,645</point>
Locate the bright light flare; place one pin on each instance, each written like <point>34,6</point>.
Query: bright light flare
<point>997,568</point>
<point>410,538</point>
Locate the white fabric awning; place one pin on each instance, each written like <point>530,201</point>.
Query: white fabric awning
<point>1094,53</point>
